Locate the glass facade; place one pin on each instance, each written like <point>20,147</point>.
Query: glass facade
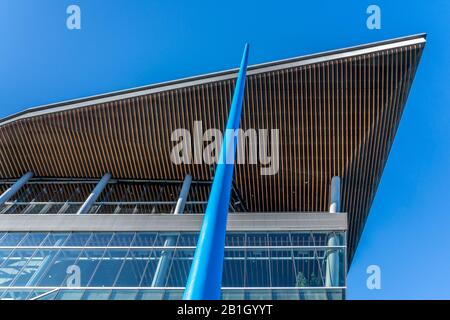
<point>124,265</point>
<point>154,265</point>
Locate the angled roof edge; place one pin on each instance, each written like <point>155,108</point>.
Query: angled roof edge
<point>216,76</point>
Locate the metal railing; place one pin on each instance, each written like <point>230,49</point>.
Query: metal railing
<point>67,196</point>
<point>109,207</point>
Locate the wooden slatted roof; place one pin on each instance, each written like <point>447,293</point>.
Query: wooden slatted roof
<point>337,112</point>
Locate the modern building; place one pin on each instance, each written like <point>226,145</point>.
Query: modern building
<point>93,207</point>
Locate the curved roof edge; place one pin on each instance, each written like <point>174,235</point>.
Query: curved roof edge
<point>215,76</point>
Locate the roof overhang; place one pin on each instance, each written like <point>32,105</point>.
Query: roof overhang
<point>337,112</point>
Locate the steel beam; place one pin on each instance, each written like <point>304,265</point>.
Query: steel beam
<point>86,206</point>
<point>236,222</point>
<point>182,198</point>
<point>335,198</point>
<point>205,277</point>
<point>162,269</point>
<point>332,263</point>
<point>15,187</point>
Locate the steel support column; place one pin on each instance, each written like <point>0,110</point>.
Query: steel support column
<point>15,187</point>
<point>162,269</point>
<point>332,262</point>
<point>86,206</point>
<point>205,277</point>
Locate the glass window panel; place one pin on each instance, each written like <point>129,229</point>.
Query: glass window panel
<point>257,268</point>
<point>123,294</point>
<point>33,239</point>
<point>12,239</point>
<point>180,267</point>
<point>15,209</point>
<point>162,237</point>
<point>19,294</point>
<point>160,267</point>
<point>87,263</point>
<point>319,238</point>
<point>69,294</point>
<point>72,208</point>
<point>133,268</point>
<point>13,266</point>
<point>342,262</point>
<point>77,239</point>
<point>53,208</point>
<point>100,239</point>
<point>308,267</point>
<point>235,239</point>
<point>258,294</point>
<point>233,294</point>
<point>279,239</point>
<point>43,294</point>
<point>257,239</point>
<point>4,253</point>
<point>150,294</point>
<point>282,294</point>
<point>108,268</point>
<point>35,268</point>
<point>144,239</point>
<point>301,239</point>
<point>337,294</point>
<point>150,268</point>
<point>96,294</point>
<point>282,268</point>
<point>234,268</point>
<point>55,275</point>
<point>173,294</point>
<point>187,239</point>
<point>35,208</point>
<point>55,239</point>
<point>122,239</point>
<point>319,294</point>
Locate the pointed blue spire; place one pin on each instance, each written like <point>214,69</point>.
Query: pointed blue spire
<point>205,277</point>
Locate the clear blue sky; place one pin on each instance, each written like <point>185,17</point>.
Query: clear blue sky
<point>125,44</point>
